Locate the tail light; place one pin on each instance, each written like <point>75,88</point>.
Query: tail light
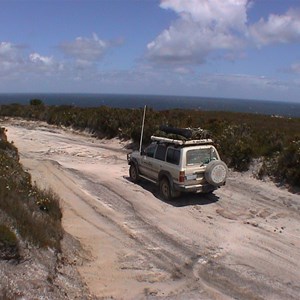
<point>181,176</point>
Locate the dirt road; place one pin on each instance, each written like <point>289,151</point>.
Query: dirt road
<point>240,243</point>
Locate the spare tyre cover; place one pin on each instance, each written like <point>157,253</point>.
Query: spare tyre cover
<point>216,172</point>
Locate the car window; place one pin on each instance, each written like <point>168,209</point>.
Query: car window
<point>149,151</point>
<point>161,152</point>
<point>200,156</point>
<point>173,156</point>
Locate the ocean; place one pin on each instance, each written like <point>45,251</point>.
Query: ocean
<point>287,109</point>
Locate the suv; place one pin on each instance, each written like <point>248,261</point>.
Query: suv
<point>177,166</point>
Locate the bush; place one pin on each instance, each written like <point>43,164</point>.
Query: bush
<point>288,167</point>
<point>36,102</point>
<point>34,214</point>
<point>7,237</point>
<point>240,137</point>
<point>8,243</point>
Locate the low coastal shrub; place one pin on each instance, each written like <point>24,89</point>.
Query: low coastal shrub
<point>7,237</point>
<point>35,214</point>
<point>288,166</point>
<point>8,243</point>
<point>240,137</point>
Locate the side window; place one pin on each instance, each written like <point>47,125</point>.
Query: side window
<point>173,156</point>
<point>161,152</point>
<point>149,151</point>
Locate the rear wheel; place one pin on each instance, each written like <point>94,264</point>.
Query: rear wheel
<point>133,173</point>
<point>165,189</point>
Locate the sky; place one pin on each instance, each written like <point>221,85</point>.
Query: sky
<point>208,48</point>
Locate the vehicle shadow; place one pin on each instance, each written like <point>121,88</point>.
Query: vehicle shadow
<point>187,199</point>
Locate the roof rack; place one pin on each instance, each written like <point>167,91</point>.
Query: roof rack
<point>181,142</point>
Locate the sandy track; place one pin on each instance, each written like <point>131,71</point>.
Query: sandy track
<point>240,243</point>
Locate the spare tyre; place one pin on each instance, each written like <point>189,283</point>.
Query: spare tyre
<point>216,172</point>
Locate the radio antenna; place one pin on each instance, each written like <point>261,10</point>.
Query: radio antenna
<point>142,131</point>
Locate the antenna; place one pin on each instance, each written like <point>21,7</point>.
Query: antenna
<point>142,132</point>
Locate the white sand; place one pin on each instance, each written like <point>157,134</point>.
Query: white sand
<point>242,243</point>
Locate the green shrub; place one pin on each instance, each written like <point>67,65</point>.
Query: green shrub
<point>9,248</point>
<point>34,214</point>
<point>240,137</point>
<point>288,167</point>
<point>7,237</point>
<point>36,102</point>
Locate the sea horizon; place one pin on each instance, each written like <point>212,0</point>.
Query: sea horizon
<point>159,102</point>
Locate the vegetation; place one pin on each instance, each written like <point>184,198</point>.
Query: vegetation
<point>7,237</point>
<point>36,102</point>
<point>240,137</point>
<point>33,214</point>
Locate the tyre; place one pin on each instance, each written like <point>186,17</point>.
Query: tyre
<point>216,173</point>
<point>165,189</point>
<point>134,173</point>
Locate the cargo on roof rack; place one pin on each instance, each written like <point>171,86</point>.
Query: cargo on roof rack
<point>181,142</point>
<point>187,133</point>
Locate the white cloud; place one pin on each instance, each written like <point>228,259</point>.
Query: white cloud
<point>5,49</point>
<point>295,68</point>
<point>86,49</point>
<point>15,62</point>
<point>207,27</point>
<point>203,26</point>
<point>277,29</point>
<point>39,59</point>
<point>11,58</point>
<point>219,13</point>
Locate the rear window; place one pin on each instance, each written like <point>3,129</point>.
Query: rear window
<point>200,156</point>
<point>173,156</point>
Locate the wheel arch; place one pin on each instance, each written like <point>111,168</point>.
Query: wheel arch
<point>133,161</point>
<point>167,175</point>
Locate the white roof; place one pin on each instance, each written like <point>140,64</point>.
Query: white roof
<point>181,142</point>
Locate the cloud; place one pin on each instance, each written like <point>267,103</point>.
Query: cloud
<point>11,58</point>
<point>44,64</point>
<point>295,68</point>
<point>277,29</point>
<point>8,51</point>
<point>217,28</point>
<point>218,13</point>
<point>203,26</point>
<point>15,61</point>
<point>39,59</point>
<point>87,50</point>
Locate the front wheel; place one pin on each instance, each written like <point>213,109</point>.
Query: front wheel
<point>133,173</point>
<point>165,189</point>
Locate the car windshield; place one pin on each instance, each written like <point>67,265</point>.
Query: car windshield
<point>200,156</point>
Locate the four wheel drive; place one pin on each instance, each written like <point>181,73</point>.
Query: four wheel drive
<point>179,166</point>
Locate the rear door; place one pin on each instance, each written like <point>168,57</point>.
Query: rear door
<point>158,161</point>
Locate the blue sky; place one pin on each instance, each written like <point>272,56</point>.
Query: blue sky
<point>215,48</point>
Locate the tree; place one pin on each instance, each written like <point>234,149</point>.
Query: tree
<point>36,102</point>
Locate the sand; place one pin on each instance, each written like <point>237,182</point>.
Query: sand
<point>242,242</point>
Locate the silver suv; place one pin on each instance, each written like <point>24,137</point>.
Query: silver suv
<point>179,166</point>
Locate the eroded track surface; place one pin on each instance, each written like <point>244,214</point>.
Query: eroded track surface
<point>240,243</point>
